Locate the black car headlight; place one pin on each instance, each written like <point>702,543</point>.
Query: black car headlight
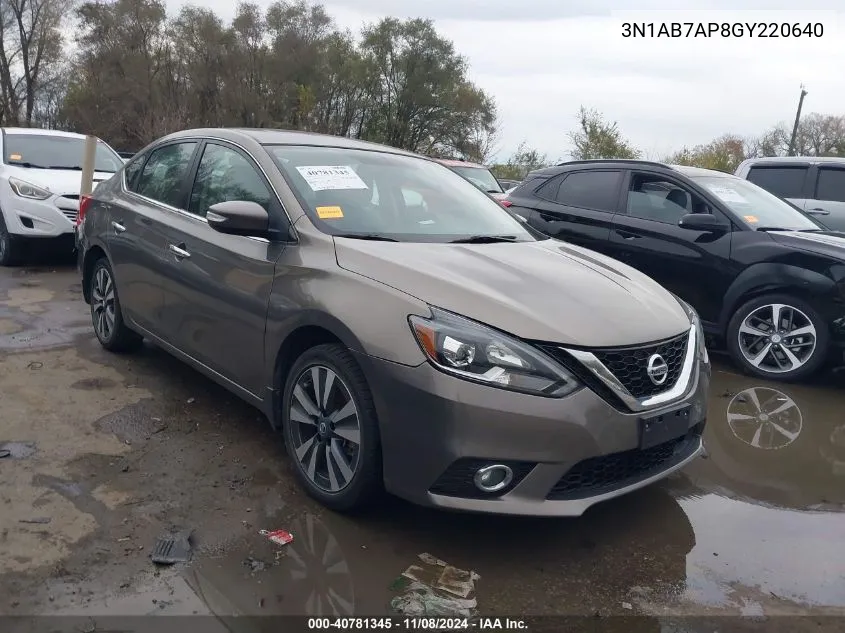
<point>472,351</point>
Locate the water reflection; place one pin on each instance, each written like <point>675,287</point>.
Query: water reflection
<point>767,505</point>
<point>340,566</point>
<point>319,571</point>
<point>764,418</point>
<point>774,444</point>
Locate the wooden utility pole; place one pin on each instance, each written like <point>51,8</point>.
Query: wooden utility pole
<point>797,120</point>
<point>88,159</point>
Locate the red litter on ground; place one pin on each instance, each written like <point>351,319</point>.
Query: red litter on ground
<point>279,537</point>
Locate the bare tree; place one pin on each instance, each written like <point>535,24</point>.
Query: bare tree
<point>33,30</point>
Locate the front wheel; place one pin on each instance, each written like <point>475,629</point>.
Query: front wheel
<point>778,337</point>
<point>10,246</point>
<point>106,314</point>
<point>330,428</point>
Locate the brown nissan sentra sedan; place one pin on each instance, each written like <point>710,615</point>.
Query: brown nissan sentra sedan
<point>400,327</point>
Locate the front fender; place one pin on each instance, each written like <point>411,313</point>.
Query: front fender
<point>774,277</point>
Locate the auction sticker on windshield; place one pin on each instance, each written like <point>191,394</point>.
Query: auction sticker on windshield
<point>726,194</point>
<point>331,177</point>
<point>329,213</point>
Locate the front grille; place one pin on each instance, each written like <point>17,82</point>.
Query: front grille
<point>457,479</point>
<point>600,475</point>
<point>629,365</point>
<point>70,215</point>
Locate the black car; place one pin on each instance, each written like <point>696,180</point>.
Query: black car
<point>767,280</point>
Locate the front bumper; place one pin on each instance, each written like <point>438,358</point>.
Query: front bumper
<point>436,430</point>
<point>53,217</point>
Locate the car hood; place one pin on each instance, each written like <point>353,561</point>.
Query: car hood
<point>830,243</point>
<point>58,181</point>
<point>546,290</point>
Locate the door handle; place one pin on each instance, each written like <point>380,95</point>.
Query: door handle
<point>818,211</point>
<point>180,253</point>
<point>628,236</point>
<point>118,227</point>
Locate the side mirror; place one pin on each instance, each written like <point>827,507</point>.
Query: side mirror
<point>239,217</point>
<point>704,222</point>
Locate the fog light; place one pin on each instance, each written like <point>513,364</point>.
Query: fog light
<point>493,478</point>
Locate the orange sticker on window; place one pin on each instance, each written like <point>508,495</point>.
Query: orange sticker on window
<point>14,156</point>
<point>751,218</point>
<point>329,213</point>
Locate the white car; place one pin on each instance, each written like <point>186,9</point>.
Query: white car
<point>40,181</point>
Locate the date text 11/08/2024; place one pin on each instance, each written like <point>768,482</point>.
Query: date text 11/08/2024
<point>417,624</point>
<point>723,29</point>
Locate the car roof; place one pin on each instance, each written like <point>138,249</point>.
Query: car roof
<point>794,159</point>
<point>692,172</point>
<point>41,132</point>
<point>267,136</point>
<point>625,164</point>
<point>449,162</point>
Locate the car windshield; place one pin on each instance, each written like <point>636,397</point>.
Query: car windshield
<point>480,177</point>
<point>375,195</point>
<point>758,208</point>
<point>56,152</point>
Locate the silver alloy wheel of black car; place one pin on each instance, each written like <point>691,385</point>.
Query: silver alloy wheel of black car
<point>102,304</point>
<point>764,418</point>
<point>777,338</point>
<point>325,428</point>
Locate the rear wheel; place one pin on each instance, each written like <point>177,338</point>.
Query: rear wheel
<point>330,427</point>
<point>778,337</point>
<point>10,246</point>
<point>106,314</point>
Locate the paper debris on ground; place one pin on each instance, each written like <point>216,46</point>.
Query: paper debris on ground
<point>435,588</point>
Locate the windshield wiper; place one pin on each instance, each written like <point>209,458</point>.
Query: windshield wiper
<point>367,236</point>
<point>484,239</point>
<point>30,165</point>
<point>77,168</point>
<point>781,228</point>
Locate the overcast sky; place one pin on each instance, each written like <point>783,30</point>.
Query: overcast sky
<point>541,59</point>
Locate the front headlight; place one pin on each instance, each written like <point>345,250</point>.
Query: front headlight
<point>475,352</point>
<point>28,190</point>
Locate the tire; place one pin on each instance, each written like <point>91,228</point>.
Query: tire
<point>331,484</point>
<point>118,337</point>
<point>11,250</point>
<point>779,366</point>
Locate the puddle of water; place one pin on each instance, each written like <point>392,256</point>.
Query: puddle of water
<point>796,556</point>
<point>774,444</point>
<point>164,594</point>
<point>18,450</point>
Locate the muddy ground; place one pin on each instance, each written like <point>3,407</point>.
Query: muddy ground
<point>110,452</point>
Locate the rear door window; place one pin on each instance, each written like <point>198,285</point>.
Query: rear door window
<point>597,190</point>
<point>164,174</point>
<point>131,171</point>
<point>784,182</point>
<point>831,185</point>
